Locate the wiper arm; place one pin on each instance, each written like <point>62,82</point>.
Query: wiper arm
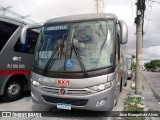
<point>50,61</point>
<point>79,59</point>
<point>73,47</point>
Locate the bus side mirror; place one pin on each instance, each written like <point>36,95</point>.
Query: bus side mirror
<point>123,32</point>
<point>24,31</point>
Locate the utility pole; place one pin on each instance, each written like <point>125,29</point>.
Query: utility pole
<point>99,6</point>
<point>139,20</point>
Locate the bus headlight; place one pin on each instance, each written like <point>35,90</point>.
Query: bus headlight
<point>101,86</point>
<point>35,83</point>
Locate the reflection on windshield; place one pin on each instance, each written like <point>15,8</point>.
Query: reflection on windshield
<point>93,42</point>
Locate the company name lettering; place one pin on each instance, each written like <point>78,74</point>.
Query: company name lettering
<point>63,82</point>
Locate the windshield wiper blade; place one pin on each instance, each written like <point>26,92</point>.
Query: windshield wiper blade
<point>79,60</point>
<point>50,61</point>
<point>73,47</point>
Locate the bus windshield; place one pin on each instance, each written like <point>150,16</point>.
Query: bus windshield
<point>75,47</point>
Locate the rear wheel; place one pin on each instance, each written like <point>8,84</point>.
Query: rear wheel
<point>13,91</point>
<point>115,101</point>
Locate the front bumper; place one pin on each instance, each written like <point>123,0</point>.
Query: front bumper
<point>86,102</point>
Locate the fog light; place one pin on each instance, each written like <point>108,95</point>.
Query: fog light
<point>101,102</point>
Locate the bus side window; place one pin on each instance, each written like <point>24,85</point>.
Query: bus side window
<point>117,50</point>
<point>6,30</point>
<point>29,45</point>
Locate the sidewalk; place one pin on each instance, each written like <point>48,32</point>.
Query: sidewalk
<point>125,92</point>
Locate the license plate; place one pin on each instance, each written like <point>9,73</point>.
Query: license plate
<point>64,106</point>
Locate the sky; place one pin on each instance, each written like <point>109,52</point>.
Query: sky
<point>42,10</point>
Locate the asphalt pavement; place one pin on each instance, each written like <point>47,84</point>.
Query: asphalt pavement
<point>153,80</point>
<point>151,100</point>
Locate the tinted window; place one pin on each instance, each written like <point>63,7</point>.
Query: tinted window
<point>29,45</point>
<point>6,30</point>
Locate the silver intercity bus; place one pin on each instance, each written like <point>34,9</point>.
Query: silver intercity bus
<point>15,59</point>
<point>79,62</point>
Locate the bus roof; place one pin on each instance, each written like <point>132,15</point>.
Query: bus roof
<point>13,19</point>
<point>81,17</point>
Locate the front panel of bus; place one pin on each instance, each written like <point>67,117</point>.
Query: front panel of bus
<point>74,65</point>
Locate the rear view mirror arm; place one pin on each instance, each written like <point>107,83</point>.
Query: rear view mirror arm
<point>24,31</point>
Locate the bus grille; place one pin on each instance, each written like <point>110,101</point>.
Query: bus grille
<point>76,102</point>
<point>54,90</point>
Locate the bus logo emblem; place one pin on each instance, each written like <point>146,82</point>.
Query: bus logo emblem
<point>62,91</point>
<point>63,82</point>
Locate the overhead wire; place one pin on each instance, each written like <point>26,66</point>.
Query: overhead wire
<point>149,15</point>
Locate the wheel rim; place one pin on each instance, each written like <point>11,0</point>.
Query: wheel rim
<point>13,89</point>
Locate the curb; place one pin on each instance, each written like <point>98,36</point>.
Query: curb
<point>157,96</point>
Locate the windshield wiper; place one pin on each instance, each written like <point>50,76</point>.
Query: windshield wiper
<point>79,60</point>
<point>50,61</point>
<point>73,47</point>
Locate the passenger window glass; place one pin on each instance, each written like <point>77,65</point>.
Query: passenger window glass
<point>29,45</point>
<point>6,30</point>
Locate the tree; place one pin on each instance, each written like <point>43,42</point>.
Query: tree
<point>152,64</point>
<point>133,56</point>
<point>147,65</point>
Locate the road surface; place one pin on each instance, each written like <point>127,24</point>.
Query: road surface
<point>153,79</point>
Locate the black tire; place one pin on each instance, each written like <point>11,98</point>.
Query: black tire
<point>13,91</point>
<point>115,102</point>
<point>129,78</point>
<point>125,83</point>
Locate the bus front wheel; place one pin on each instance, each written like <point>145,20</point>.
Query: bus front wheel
<point>13,91</point>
